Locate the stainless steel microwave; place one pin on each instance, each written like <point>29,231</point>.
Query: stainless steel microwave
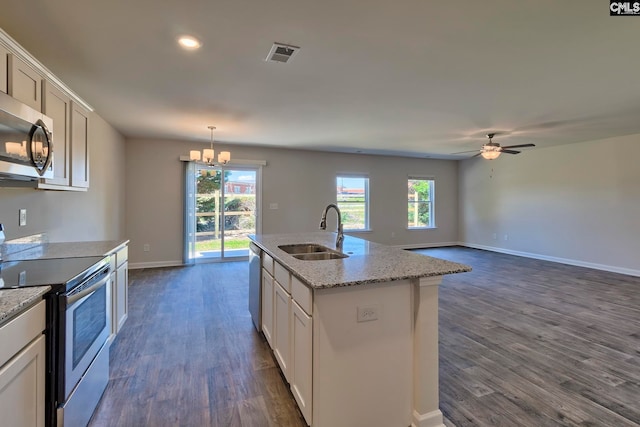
<point>26,147</point>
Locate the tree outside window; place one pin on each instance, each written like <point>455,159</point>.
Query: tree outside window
<point>420,212</point>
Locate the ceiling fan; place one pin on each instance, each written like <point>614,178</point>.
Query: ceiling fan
<point>492,150</point>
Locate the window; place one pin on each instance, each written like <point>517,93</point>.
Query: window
<point>353,200</point>
<point>420,211</point>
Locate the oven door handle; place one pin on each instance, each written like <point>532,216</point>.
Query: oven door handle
<point>75,297</point>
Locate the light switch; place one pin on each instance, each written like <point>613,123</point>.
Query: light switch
<point>23,217</point>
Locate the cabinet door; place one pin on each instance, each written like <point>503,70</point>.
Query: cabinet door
<point>302,360</point>
<point>122,294</point>
<point>79,146</point>
<point>22,387</point>
<point>57,105</point>
<point>267,307</point>
<point>114,310</point>
<point>24,83</point>
<point>4,77</point>
<point>282,346</point>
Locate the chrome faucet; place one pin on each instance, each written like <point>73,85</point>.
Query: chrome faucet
<point>323,224</point>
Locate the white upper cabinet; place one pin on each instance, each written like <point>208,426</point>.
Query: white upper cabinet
<point>24,78</point>
<point>57,105</point>
<point>79,146</point>
<point>24,83</point>
<point>4,54</point>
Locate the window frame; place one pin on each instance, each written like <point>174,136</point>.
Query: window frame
<point>430,203</point>
<point>367,199</point>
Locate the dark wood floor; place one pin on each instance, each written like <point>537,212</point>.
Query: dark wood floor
<point>525,342</point>
<point>188,355</point>
<point>522,343</point>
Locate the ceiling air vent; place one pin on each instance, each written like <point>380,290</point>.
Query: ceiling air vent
<point>282,53</point>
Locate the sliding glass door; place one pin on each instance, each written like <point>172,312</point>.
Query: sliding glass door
<point>225,212</point>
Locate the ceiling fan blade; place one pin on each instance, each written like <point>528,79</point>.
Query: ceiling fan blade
<point>475,155</point>
<point>509,151</point>
<point>463,152</point>
<point>519,146</point>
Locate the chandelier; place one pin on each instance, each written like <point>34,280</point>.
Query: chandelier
<point>208,155</point>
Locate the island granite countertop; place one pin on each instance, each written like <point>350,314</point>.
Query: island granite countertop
<point>14,301</point>
<point>367,262</point>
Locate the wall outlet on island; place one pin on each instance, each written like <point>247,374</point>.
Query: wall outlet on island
<point>368,313</point>
<point>22,218</point>
<point>146,247</point>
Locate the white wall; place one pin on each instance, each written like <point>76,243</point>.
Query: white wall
<point>302,183</point>
<point>576,203</point>
<point>97,214</point>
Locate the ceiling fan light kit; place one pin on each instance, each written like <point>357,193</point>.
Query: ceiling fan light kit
<point>492,150</point>
<point>490,154</point>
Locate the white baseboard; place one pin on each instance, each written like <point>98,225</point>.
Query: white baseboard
<point>431,419</point>
<point>427,245</point>
<point>577,263</point>
<point>154,264</point>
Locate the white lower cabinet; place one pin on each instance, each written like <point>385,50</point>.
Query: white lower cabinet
<point>119,290</point>
<point>122,295</point>
<point>287,325</point>
<point>282,316</point>
<point>112,303</point>
<point>302,360</point>
<point>267,307</point>
<point>22,374</point>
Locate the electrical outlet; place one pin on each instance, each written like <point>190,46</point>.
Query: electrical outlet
<point>393,234</point>
<point>368,313</point>
<point>146,247</point>
<point>495,236</point>
<point>273,206</point>
<point>506,237</point>
<point>23,217</point>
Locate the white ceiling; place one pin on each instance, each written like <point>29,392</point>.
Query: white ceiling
<point>408,77</point>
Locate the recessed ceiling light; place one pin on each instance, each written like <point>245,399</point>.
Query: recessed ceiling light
<point>189,42</point>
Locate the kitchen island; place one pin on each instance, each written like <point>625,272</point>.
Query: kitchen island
<point>355,337</point>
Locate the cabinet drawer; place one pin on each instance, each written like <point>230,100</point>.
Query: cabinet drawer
<point>267,263</point>
<point>302,294</point>
<point>122,256</point>
<point>20,331</point>
<point>282,276</point>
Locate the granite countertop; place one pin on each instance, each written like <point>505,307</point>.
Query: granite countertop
<point>368,262</point>
<point>67,250</point>
<point>14,301</point>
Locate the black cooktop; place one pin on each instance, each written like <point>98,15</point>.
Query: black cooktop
<point>60,273</point>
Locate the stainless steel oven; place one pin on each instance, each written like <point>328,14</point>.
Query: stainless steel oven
<point>83,348</point>
<point>78,325</point>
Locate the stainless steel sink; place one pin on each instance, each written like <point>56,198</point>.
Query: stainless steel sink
<point>317,256</point>
<point>305,248</point>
